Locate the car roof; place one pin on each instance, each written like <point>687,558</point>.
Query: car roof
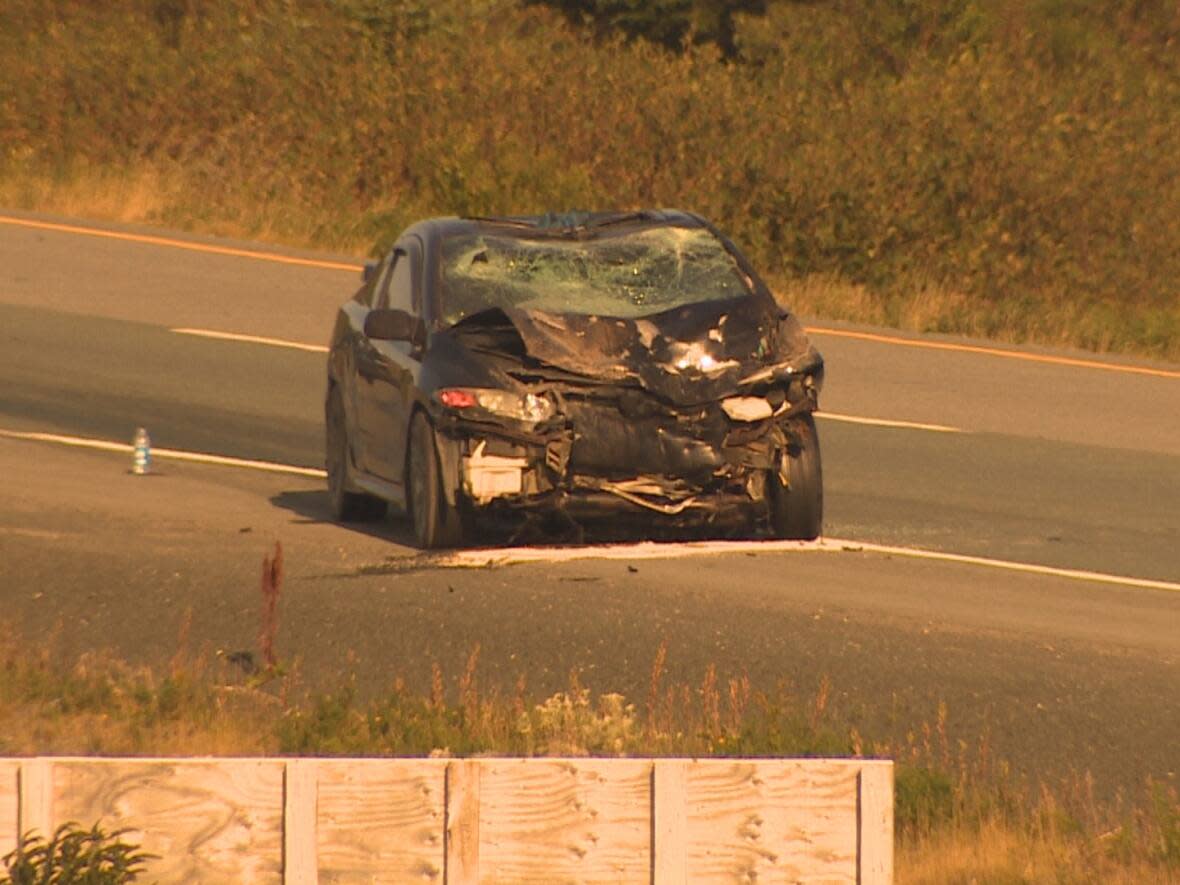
<point>567,224</point>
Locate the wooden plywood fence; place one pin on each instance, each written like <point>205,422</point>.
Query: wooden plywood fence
<point>472,820</point>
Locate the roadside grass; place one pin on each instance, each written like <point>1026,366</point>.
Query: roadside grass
<point>960,815</point>
<point>1004,170</point>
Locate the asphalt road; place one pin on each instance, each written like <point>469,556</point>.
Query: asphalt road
<point>1061,465</point>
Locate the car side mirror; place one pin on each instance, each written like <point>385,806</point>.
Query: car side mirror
<point>368,271</point>
<point>391,324</point>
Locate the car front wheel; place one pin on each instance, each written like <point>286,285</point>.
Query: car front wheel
<point>436,521</point>
<point>797,507</point>
<point>346,506</point>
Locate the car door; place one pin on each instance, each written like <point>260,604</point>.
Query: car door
<point>387,371</point>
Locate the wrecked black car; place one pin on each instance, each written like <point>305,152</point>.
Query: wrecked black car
<point>569,367</point>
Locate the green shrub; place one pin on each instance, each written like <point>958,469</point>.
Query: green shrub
<point>1010,170</point>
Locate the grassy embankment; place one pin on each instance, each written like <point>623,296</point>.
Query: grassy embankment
<point>1002,169</point>
<point>960,815</point>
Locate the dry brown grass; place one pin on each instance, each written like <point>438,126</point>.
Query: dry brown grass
<point>997,852</point>
<point>959,817</point>
<point>133,197</point>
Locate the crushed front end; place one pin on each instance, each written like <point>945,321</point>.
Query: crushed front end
<point>549,439</point>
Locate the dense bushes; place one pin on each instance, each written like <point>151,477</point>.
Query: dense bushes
<point>1010,169</point>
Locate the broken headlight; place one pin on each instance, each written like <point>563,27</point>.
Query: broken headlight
<point>529,407</point>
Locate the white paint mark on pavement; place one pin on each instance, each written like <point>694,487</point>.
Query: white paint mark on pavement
<point>631,552</point>
<point>886,422</point>
<point>657,550</point>
<point>252,339</point>
<point>169,454</point>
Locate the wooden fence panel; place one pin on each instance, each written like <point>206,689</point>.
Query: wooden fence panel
<point>211,821</point>
<point>773,821</point>
<point>381,820</point>
<point>563,820</point>
<point>461,821</point>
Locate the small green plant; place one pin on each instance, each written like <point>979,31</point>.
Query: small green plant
<point>923,798</point>
<point>74,856</point>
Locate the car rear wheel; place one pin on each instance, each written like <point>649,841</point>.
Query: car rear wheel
<point>436,521</point>
<point>797,508</point>
<point>346,506</point>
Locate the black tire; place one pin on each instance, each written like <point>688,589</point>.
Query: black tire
<point>436,522</point>
<point>346,506</point>
<point>797,509</point>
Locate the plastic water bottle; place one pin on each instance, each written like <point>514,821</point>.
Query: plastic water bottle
<point>142,460</point>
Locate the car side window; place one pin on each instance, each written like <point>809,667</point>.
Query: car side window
<point>401,284</point>
<point>400,290</point>
<point>370,294</point>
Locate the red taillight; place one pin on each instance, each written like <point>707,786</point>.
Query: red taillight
<point>457,399</point>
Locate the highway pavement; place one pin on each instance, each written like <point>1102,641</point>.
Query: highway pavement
<point>1058,459</point>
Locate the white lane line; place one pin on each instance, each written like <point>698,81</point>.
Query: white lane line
<point>252,339</point>
<point>885,422</point>
<point>898,341</point>
<point>657,550</point>
<point>167,454</point>
<point>483,558</point>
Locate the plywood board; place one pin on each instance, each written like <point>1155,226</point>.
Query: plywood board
<point>562,820</point>
<point>35,786</point>
<point>875,820</point>
<point>771,821</point>
<point>9,805</point>
<point>669,825</point>
<point>462,822</point>
<point>380,820</point>
<point>300,801</point>
<point>475,820</point>
<point>211,821</point>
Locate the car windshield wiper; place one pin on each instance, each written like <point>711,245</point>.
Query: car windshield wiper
<point>569,224</point>
<point>623,218</point>
<point>506,222</point>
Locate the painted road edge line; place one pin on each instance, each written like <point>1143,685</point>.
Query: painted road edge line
<point>888,422</point>
<point>1008,565</point>
<point>178,244</point>
<point>166,454</point>
<point>252,339</point>
<point>1072,362</point>
<point>354,267</point>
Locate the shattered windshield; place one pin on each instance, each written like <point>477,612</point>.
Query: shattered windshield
<point>628,275</point>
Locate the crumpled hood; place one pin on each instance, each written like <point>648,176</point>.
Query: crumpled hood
<point>693,354</point>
